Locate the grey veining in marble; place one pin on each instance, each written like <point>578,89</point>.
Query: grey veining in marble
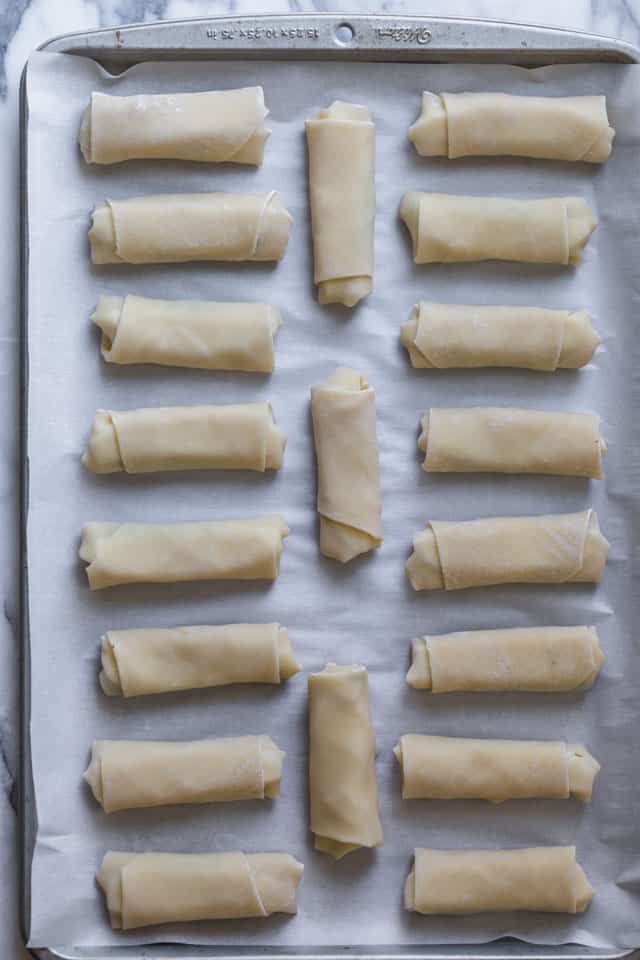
<point>24,24</point>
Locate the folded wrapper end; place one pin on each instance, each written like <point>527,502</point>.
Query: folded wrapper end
<point>419,673</point>
<point>103,453</point>
<point>275,445</point>
<point>107,316</point>
<point>348,291</point>
<point>583,770</point>
<point>335,848</point>
<point>109,676</point>
<point>84,139</point>
<point>338,541</point>
<point>596,551</point>
<point>429,134</point>
<point>271,242</point>
<point>408,333</point>
<point>584,890</point>
<point>272,757</point>
<point>581,222</point>
<point>598,660</point>
<point>252,152</point>
<point>423,567</point>
<point>102,235</point>
<point>287,661</point>
<point>410,890</point>
<point>276,884</point>
<point>93,773</point>
<point>579,341</point>
<point>410,213</point>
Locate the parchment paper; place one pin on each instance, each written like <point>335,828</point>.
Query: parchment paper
<point>363,612</point>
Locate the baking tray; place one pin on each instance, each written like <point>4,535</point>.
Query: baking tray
<point>320,37</point>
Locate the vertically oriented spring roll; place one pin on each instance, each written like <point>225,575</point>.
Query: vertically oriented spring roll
<point>161,659</point>
<point>188,333</point>
<point>341,142</point>
<point>456,768</point>
<point>539,659</point>
<point>246,549</point>
<point>500,124</point>
<point>511,440</point>
<point>443,335</point>
<point>452,555</point>
<point>240,436</point>
<point>342,761</point>
<point>452,229</point>
<point>344,427</point>
<point>210,126</point>
<point>547,879</point>
<point>124,774</point>
<point>174,228</point>
<point>142,889</point>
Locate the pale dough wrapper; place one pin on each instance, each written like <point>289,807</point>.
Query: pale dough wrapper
<point>499,124</point>
<point>538,659</point>
<point>142,889</point>
<point>241,436</point>
<point>188,333</point>
<point>511,440</point>
<point>343,408</point>
<point>124,774</point>
<point>444,335</point>
<point>210,126</point>
<point>547,879</point>
<point>175,228</point>
<point>162,659</point>
<point>343,791</point>
<point>341,144</point>
<point>245,549</point>
<point>452,555</point>
<point>447,228</point>
<point>455,768</point>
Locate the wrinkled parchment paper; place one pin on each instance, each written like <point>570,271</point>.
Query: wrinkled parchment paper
<point>366,611</point>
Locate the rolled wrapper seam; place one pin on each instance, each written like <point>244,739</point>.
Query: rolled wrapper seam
<point>158,660</point>
<point>539,659</point>
<point>246,549</point>
<point>210,126</point>
<point>560,548</point>
<point>239,436</point>
<point>546,879</point>
<point>187,333</point>
<point>442,336</point>
<point>142,889</point>
<point>176,228</point>
<point>455,768</point>
<point>124,774</point>
<point>341,142</point>
<point>447,228</point>
<point>498,124</point>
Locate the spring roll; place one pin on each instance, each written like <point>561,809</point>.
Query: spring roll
<point>188,333</point>
<point>455,768</point>
<point>174,228</point>
<point>162,659</point>
<point>452,229</point>
<point>499,124</point>
<point>124,774</point>
<point>342,761</point>
<point>511,440</point>
<point>142,889</point>
<point>547,879</point>
<point>246,549</point>
<point>452,555</point>
<point>241,436</point>
<point>444,335</point>
<point>341,142</point>
<point>211,127</point>
<point>538,659</point>
<point>349,502</point>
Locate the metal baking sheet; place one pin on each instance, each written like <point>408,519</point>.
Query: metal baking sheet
<point>363,612</point>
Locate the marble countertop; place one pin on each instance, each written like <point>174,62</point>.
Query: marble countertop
<point>24,24</point>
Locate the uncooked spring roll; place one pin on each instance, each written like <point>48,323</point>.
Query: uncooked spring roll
<point>500,124</point>
<point>443,335</point>
<point>342,761</point>
<point>547,879</point>
<point>452,229</point>
<point>245,549</point>
<point>188,333</point>
<point>539,659</point>
<point>456,768</point>
<point>560,548</point>
<point>161,659</point>
<point>211,126</point>
<point>511,440</point>
<point>124,774</point>
<point>344,425</point>
<point>142,889</point>
<point>174,228</point>
<point>239,436</point>
<point>341,143</point>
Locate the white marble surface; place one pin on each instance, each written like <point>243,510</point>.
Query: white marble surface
<point>24,24</point>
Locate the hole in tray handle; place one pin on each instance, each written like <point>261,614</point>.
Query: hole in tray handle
<point>344,34</point>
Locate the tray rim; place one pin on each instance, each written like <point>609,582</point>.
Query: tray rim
<point>623,52</point>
